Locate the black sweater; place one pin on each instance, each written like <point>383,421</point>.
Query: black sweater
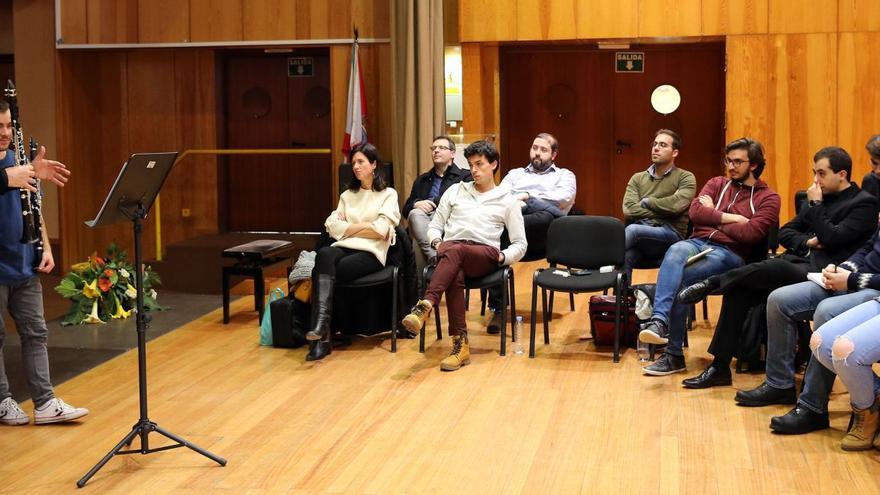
<point>843,222</point>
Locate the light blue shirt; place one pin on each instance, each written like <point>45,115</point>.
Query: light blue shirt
<point>555,184</point>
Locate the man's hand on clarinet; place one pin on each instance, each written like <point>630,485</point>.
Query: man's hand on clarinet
<point>21,177</point>
<point>46,169</point>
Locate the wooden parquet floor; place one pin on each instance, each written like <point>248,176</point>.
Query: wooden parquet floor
<point>368,421</point>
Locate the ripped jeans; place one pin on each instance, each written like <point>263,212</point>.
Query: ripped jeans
<point>848,345</point>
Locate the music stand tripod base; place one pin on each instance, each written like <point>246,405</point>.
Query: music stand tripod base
<point>130,199</point>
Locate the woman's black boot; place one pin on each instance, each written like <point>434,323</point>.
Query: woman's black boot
<point>318,349</point>
<point>322,305</point>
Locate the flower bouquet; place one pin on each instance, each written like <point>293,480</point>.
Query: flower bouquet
<point>104,288</point>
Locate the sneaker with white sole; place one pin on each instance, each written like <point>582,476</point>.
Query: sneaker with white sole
<point>11,413</point>
<point>57,411</point>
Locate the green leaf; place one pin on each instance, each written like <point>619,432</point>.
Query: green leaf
<point>67,288</point>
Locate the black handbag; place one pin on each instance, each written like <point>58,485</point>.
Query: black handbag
<point>289,321</point>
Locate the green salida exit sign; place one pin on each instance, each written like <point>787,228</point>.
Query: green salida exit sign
<point>630,61</point>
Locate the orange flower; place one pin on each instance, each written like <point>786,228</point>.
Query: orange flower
<point>108,272</point>
<point>104,284</point>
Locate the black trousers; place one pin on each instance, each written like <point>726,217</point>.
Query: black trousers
<point>344,264</point>
<point>744,288</point>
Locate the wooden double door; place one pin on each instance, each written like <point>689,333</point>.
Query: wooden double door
<point>604,120</point>
<point>271,103</point>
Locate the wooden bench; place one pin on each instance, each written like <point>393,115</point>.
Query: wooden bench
<point>250,261</point>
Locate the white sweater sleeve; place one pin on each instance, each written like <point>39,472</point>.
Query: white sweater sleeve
<point>335,226</point>
<point>516,230</point>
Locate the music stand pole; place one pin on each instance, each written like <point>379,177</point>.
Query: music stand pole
<point>136,213</point>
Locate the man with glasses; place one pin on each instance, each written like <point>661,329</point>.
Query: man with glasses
<point>871,181</point>
<point>731,216</point>
<point>840,218</point>
<point>545,192</point>
<point>427,190</point>
<point>656,201</point>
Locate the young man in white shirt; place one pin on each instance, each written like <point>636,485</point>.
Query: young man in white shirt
<point>466,232</point>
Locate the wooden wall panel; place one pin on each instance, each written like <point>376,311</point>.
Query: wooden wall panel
<point>480,90</point>
<point>669,17</point>
<point>89,81</point>
<point>150,127</point>
<point>540,20</point>
<point>112,21</point>
<point>372,17</point>
<point>803,16</point>
<point>163,21</point>
<point>602,19</point>
<point>178,21</point>
<point>858,96</point>
<point>325,19</point>
<point>74,25</point>
<point>859,15</point>
<point>487,20</point>
<point>803,107</point>
<point>215,20</point>
<point>737,17</point>
<point>270,19</point>
<point>748,81</point>
<point>193,182</point>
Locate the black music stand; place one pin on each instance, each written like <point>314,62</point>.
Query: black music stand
<point>130,199</point>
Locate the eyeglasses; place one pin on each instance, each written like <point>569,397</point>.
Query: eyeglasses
<point>736,162</point>
<point>435,148</point>
<point>660,144</point>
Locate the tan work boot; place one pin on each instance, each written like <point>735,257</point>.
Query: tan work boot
<point>460,355</point>
<point>864,428</point>
<point>417,316</point>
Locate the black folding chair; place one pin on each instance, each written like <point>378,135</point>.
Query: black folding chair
<point>503,277</point>
<point>389,274</point>
<point>584,244</point>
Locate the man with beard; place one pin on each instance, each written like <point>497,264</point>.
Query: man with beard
<point>656,201</point>
<point>545,192</point>
<point>731,217</point>
<point>839,219</point>
<point>428,188</point>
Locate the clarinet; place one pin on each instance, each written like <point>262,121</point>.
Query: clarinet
<point>32,230</point>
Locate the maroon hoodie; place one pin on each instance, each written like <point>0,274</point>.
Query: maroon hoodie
<point>758,203</point>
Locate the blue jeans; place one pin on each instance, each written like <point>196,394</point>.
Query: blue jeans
<point>674,275</point>
<point>636,232</point>
<point>786,307</point>
<point>848,345</point>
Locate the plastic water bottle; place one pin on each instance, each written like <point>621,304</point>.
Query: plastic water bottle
<point>517,336</point>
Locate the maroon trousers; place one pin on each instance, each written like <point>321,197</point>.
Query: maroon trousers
<point>455,261</point>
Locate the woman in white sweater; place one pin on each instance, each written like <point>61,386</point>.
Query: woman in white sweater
<point>363,227</point>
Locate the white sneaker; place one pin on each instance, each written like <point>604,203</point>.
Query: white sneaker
<point>12,414</point>
<point>57,411</point>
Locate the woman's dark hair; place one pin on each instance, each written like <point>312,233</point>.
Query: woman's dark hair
<point>372,154</point>
<point>754,150</point>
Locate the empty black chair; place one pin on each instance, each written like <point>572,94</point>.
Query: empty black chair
<point>584,244</point>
